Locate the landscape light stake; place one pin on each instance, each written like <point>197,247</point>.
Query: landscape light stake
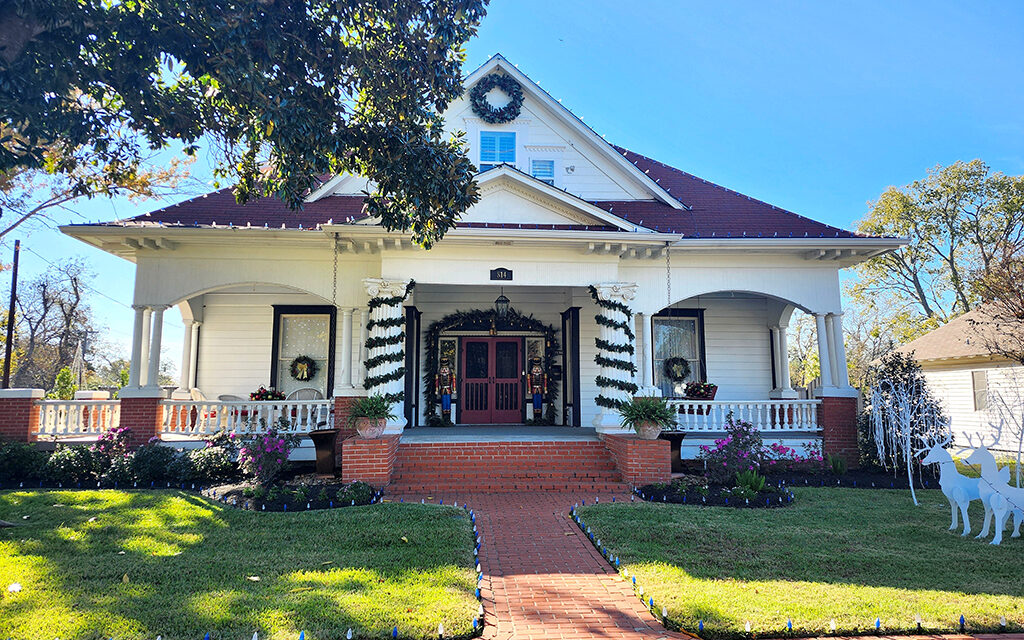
<point>10,318</point>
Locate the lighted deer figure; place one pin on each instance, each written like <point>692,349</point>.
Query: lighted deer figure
<point>958,488</point>
<point>1003,499</point>
<point>987,461</point>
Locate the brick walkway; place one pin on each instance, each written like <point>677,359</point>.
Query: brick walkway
<point>543,579</point>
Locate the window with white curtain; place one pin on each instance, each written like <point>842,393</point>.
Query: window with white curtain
<point>303,335</point>
<point>677,335</point>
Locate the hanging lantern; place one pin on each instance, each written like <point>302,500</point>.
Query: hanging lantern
<point>501,305</point>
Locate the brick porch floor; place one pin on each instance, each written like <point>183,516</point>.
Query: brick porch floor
<point>543,579</point>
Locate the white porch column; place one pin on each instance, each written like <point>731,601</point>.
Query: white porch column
<point>346,348</point>
<point>780,344</point>
<point>829,331</point>
<point>383,288</point>
<point>838,346</point>
<point>640,325</point>
<point>363,319</point>
<point>147,324</point>
<point>193,355</point>
<point>153,379</point>
<point>824,356</point>
<point>608,420</point>
<point>786,383</point>
<point>135,366</point>
<point>186,356</point>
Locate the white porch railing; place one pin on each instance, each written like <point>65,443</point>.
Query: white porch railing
<point>198,418</point>
<point>77,417</point>
<point>765,415</point>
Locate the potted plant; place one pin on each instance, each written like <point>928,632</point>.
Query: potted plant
<point>263,394</point>
<point>648,416</point>
<point>700,390</point>
<point>370,415</point>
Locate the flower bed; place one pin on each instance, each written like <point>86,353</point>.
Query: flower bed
<point>696,490</point>
<point>299,494</point>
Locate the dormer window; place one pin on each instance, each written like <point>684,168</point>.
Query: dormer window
<point>497,147</point>
<point>543,170</point>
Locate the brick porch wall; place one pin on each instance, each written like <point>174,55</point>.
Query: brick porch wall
<point>640,461</point>
<point>369,460</point>
<point>838,420</point>
<point>144,416</point>
<point>19,414</point>
<point>342,408</point>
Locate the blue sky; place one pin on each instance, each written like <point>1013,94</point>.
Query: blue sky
<point>816,107</point>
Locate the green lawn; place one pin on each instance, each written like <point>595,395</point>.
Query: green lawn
<point>178,565</point>
<point>846,554</point>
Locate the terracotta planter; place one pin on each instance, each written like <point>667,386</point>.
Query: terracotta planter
<point>648,431</point>
<point>370,428</point>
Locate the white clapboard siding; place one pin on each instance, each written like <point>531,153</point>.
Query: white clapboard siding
<point>952,385</point>
<point>235,341</point>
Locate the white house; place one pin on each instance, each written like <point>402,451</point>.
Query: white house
<point>978,389</point>
<point>709,274</point>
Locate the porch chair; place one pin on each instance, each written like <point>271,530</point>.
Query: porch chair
<point>307,393</point>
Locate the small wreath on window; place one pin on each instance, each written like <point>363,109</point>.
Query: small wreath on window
<point>483,108</point>
<point>676,369</point>
<point>303,368</point>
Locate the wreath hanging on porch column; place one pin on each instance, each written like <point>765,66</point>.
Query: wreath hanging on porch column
<point>483,108</point>
<point>481,320</point>
<point>303,368</point>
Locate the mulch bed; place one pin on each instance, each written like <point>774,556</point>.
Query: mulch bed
<point>716,496</point>
<point>305,492</point>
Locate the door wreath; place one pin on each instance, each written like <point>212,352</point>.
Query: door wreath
<point>303,368</point>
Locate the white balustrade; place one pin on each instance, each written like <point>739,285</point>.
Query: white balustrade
<point>77,417</point>
<point>765,415</point>
<point>189,417</point>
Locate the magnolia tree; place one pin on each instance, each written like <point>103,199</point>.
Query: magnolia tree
<point>905,419</point>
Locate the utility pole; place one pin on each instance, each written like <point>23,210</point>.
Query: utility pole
<point>10,318</point>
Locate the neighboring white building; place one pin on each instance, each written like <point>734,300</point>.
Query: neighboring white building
<point>969,381</point>
<point>712,275</point>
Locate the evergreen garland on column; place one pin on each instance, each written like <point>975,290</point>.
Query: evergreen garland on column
<point>373,381</point>
<point>613,348</point>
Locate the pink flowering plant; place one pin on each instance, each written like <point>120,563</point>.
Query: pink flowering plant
<point>111,445</point>
<point>740,450</point>
<point>263,457</point>
<point>783,459</point>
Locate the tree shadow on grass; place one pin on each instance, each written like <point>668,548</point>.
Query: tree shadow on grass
<point>175,564</point>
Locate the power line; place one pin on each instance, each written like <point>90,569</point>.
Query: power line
<point>94,290</point>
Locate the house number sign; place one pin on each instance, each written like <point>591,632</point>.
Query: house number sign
<point>501,273</point>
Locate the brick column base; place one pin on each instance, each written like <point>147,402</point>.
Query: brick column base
<point>19,414</point>
<point>369,460</point>
<point>640,461</point>
<point>342,408</point>
<point>144,416</point>
<point>838,420</point>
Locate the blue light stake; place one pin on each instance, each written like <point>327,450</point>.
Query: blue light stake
<point>394,631</point>
<point>962,623</point>
<point>700,626</point>
<point>302,635</point>
<point>789,625</point>
<point>207,636</point>
<point>878,624</point>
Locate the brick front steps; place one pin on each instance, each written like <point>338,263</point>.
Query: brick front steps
<point>585,466</point>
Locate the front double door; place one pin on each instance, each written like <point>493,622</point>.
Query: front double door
<point>492,379</point>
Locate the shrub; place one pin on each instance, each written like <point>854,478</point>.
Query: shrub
<point>837,464</point>
<point>120,471</point>
<point>152,463</point>
<point>264,457</point>
<point>752,481</point>
<point>209,464</point>
<point>21,461</point>
<point>361,492</point>
<point>740,450</point>
<point>68,465</point>
<point>112,444</point>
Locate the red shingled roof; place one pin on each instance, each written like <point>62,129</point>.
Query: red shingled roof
<point>711,211</point>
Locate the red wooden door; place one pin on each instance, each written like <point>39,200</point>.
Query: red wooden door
<point>492,390</point>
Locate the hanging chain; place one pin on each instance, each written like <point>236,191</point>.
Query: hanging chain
<point>668,276</point>
<point>334,283</point>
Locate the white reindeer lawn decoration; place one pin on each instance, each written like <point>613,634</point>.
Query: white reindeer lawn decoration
<point>903,416</point>
<point>1001,497</point>
<point>958,488</point>
<point>987,461</point>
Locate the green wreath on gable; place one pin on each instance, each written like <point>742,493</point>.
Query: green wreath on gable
<point>303,368</point>
<point>676,369</point>
<point>483,108</point>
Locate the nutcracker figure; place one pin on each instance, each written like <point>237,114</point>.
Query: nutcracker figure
<point>537,381</point>
<point>444,384</point>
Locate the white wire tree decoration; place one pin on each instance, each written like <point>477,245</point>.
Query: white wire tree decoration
<point>1006,406</point>
<point>905,419</point>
